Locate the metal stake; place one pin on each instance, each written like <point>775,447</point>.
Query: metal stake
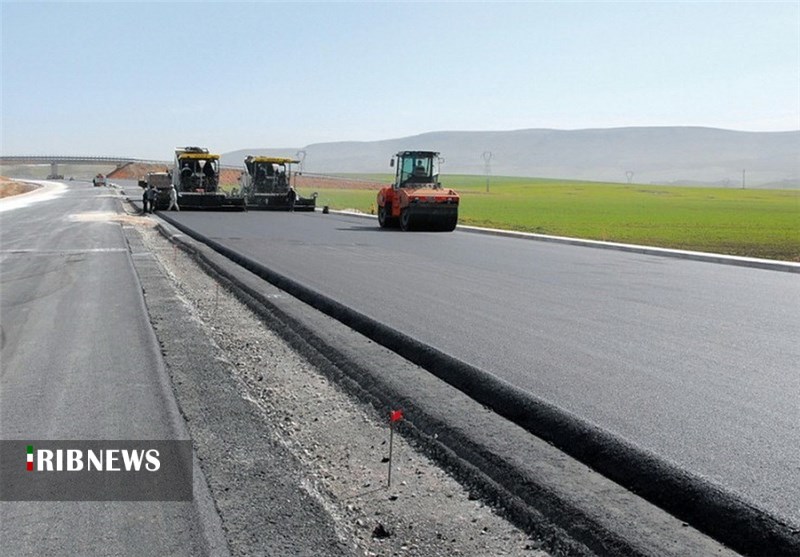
<point>391,438</point>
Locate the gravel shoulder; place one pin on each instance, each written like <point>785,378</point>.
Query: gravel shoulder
<point>296,465</point>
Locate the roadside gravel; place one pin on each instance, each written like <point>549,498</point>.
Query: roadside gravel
<point>340,443</point>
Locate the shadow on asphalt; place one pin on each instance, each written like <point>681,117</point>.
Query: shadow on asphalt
<point>366,229</point>
<point>384,230</point>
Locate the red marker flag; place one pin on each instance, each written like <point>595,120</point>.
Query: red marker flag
<point>394,416</point>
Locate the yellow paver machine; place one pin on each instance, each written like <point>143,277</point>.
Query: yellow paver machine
<point>268,183</point>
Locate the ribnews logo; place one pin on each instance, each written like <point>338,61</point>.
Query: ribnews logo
<point>96,470</point>
<point>76,460</point>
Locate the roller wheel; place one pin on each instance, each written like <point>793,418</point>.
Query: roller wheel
<point>383,217</point>
<point>405,220</point>
<point>449,224</point>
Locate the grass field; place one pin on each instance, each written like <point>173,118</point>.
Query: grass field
<point>753,223</point>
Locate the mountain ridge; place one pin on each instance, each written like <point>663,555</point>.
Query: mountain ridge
<point>686,154</point>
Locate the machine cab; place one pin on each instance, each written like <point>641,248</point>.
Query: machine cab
<point>196,170</point>
<point>268,174</point>
<point>416,168</point>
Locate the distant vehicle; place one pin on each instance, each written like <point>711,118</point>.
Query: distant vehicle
<point>268,183</point>
<point>196,179</point>
<point>99,181</point>
<point>416,200</point>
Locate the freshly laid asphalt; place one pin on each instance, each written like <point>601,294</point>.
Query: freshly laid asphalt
<point>694,362</point>
<point>691,361</point>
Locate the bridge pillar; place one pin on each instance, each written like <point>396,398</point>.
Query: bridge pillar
<point>53,169</point>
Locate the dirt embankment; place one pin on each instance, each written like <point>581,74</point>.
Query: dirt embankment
<point>10,187</point>
<point>138,170</point>
<point>317,181</point>
<point>230,176</point>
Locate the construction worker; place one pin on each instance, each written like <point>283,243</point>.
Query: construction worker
<point>144,201</point>
<point>152,195</point>
<point>173,199</point>
<point>210,176</point>
<point>208,169</point>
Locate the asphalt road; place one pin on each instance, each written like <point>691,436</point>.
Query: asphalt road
<point>70,301</point>
<point>80,361</point>
<point>692,361</point>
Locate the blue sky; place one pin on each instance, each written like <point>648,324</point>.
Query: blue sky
<point>137,79</point>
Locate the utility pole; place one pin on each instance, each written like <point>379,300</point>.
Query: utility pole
<point>743,172</point>
<point>487,157</point>
<point>302,156</point>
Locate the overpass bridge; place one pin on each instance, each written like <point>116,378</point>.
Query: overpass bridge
<point>55,160</point>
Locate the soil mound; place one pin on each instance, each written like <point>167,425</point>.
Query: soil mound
<point>137,170</point>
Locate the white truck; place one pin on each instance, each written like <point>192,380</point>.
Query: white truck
<point>162,182</point>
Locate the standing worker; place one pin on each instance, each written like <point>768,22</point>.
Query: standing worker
<point>173,199</point>
<point>144,201</point>
<point>152,194</point>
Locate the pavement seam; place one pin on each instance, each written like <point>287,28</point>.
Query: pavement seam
<point>355,380</point>
<point>203,502</point>
<point>602,539</point>
<point>710,508</point>
<point>203,385</point>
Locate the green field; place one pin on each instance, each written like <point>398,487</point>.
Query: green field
<point>753,223</point>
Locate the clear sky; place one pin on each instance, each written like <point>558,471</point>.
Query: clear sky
<point>137,79</point>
